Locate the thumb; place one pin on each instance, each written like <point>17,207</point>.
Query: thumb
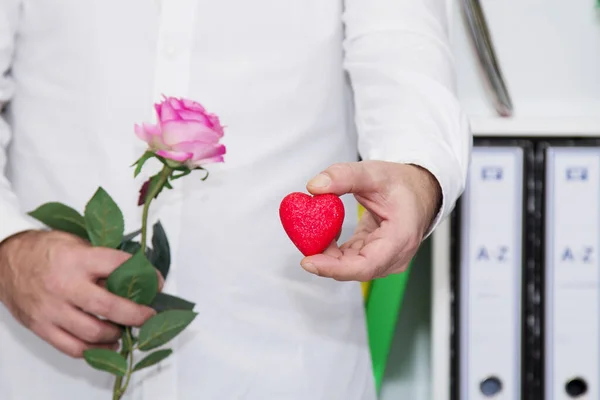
<point>161,281</point>
<point>102,261</point>
<point>341,179</point>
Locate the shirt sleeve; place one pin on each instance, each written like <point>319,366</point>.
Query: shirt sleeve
<point>12,219</point>
<point>400,64</point>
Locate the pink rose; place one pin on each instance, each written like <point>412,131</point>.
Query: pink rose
<point>185,132</point>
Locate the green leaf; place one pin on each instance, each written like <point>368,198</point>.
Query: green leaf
<point>205,177</point>
<point>131,235</point>
<point>141,161</point>
<point>135,280</point>
<point>152,359</point>
<point>104,220</point>
<point>106,360</point>
<point>164,301</point>
<point>181,174</point>
<point>130,247</point>
<point>163,327</point>
<point>61,217</point>
<point>160,256</point>
<point>149,254</point>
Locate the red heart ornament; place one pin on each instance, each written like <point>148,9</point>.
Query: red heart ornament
<point>311,222</point>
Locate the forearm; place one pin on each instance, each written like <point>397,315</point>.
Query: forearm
<point>12,218</point>
<point>401,69</point>
<point>9,247</point>
<point>429,191</point>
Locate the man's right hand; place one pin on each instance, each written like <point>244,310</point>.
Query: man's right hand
<point>50,283</point>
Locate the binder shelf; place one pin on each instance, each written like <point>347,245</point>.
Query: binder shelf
<point>516,280</point>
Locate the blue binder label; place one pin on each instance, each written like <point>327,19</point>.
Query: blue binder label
<point>500,254</point>
<point>584,256</point>
<point>492,173</point>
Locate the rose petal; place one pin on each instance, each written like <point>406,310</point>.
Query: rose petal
<point>204,161</point>
<point>152,129</point>
<point>189,115</point>
<point>141,133</point>
<point>209,155</point>
<point>200,150</point>
<point>207,152</point>
<point>216,124</point>
<point>193,106</point>
<point>199,163</point>
<point>202,153</point>
<point>211,160</point>
<point>150,134</point>
<point>175,103</point>
<point>174,132</point>
<point>168,113</point>
<point>179,156</point>
<point>187,147</point>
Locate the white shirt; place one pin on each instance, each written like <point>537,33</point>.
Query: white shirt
<point>300,84</point>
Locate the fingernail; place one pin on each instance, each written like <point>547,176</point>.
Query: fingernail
<point>310,268</point>
<point>321,180</point>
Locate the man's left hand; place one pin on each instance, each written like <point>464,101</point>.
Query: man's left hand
<point>400,201</point>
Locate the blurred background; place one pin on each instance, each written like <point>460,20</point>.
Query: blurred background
<point>510,313</point>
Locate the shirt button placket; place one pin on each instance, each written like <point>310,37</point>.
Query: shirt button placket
<point>172,70</point>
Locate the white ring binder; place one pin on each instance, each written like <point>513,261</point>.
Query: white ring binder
<point>572,272</point>
<point>491,269</point>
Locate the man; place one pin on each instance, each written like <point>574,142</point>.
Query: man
<point>303,86</point>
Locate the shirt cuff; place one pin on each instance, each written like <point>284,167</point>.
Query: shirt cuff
<point>438,160</point>
<point>13,222</point>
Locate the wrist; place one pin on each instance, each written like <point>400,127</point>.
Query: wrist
<point>429,193</point>
<point>9,247</point>
<point>8,243</point>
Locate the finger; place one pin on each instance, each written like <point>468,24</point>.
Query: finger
<point>370,262</point>
<point>333,250</point>
<point>101,261</point>
<point>88,328</point>
<point>67,343</point>
<point>341,269</point>
<point>343,178</point>
<point>361,234</point>
<point>98,301</point>
<point>161,281</point>
<point>353,248</point>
